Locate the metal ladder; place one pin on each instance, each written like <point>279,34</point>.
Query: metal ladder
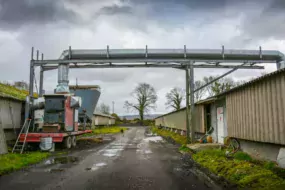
<point>19,146</point>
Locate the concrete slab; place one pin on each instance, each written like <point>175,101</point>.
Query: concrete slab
<point>281,158</point>
<point>205,146</point>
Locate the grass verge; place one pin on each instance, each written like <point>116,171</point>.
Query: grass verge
<point>239,170</point>
<point>10,91</point>
<point>11,162</point>
<point>104,130</point>
<point>179,139</point>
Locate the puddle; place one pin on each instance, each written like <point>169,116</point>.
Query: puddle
<point>100,164</point>
<point>109,154</point>
<point>56,170</point>
<point>144,151</point>
<point>114,149</point>
<point>153,139</point>
<point>148,152</point>
<point>62,160</point>
<point>177,169</point>
<point>97,166</point>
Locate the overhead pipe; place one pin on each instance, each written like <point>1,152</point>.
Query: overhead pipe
<point>196,54</point>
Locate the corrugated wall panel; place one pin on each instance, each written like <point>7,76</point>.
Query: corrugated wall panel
<point>178,119</point>
<point>281,111</point>
<point>257,112</point>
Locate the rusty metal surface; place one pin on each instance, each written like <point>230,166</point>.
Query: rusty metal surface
<point>256,112</point>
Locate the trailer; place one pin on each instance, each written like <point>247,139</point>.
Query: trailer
<point>55,119</point>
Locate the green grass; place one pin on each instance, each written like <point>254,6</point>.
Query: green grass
<point>104,130</point>
<point>11,162</point>
<point>242,156</point>
<point>10,91</point>
<point>184,148</point>
<point>176,137</point>
<point>239,171</point>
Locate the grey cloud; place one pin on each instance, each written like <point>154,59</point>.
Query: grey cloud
<point>268,23</point>
<point>115,9</point>
<point>16,13</point>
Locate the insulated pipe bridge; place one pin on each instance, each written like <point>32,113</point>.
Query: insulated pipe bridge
<point>163,58</point>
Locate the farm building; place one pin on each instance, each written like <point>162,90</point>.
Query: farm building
<point>100,119</point>
<point>253,113</point>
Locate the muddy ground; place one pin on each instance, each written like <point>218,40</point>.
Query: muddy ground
<point>134,160</point>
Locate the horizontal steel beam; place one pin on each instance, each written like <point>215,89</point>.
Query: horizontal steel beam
<point>153,66</point>
<point>57,61</point>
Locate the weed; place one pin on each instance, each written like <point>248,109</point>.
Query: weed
<point>184,148</point>
<point>168,134</point>
<point>242,156</point>
<point>269,165</point>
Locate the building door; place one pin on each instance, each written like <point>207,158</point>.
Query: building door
<point>220,124</point>
<point>96,121</point>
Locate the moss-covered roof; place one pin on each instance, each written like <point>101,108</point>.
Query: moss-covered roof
<point>8,91</point>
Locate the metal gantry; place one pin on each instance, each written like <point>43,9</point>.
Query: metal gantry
<point>185,59</point>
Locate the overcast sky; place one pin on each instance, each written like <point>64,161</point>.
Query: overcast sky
<point>53,25</point>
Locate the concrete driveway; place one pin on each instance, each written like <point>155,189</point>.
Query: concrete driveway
<point>132,161</point>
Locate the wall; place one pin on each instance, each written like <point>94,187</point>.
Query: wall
<point>256,112</point>
<point>9,121</point>
<point>3,146</point>
<point>11,115</point>
<point>113,121</point>
<point>102,120</point>
<point>214,122</point>
<point>177,119</point>
<point>259,150</point>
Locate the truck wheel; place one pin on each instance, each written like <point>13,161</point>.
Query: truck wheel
<point>73,141</point>
<point>67,142</point>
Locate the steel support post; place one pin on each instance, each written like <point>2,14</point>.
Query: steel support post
<point>41,78</point>
<point>41,81</point>
<point>31,91</point>
<point>187,104</point>
<point>29,99</point>
<point>192,104</point>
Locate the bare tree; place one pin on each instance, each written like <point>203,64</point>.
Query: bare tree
<point>104,108</point>
<point>174,98</point>
<point>208,88</point>
<point>146,98</point>
<point>200,93</point>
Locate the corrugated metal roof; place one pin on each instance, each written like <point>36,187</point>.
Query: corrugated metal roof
<point>104,115</point>
<point>264,77</point>
<point>84,87</point>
